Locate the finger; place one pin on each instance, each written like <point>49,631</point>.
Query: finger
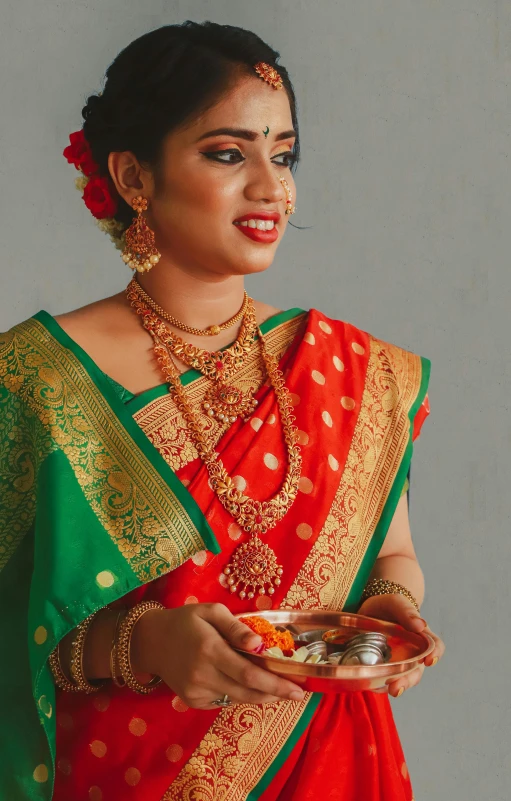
<point>250,676</point>
<point>398,687</point>
<point>239,694</point>
<point>437,652</point>
<point>237,634</point>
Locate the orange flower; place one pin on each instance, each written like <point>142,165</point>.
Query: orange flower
<point>269,634</point>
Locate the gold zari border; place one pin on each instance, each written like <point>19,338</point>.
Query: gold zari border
<point>133,503</point>
<point>243,741</point>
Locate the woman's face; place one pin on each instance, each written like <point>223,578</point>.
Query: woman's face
<point>211,180</point>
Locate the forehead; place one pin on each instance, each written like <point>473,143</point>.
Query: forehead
<point>251,103</point>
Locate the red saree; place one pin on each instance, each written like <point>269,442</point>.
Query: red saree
<point>359,403</point>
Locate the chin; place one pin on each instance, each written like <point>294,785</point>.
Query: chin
<point>252,266</point>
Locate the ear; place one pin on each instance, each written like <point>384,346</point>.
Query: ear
<point>129,177</point>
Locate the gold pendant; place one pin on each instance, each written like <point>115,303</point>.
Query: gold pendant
<point>253,565</point>
<point>227,403</point>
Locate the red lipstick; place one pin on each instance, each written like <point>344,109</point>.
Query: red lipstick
<point>254,233</point>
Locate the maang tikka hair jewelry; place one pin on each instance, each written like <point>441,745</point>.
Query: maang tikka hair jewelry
<point>140,252</point>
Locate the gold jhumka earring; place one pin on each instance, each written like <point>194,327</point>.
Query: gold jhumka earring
<point>140,252</point>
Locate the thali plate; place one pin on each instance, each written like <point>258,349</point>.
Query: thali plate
<point>408,651</point>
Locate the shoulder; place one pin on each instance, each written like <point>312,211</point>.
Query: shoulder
<point>101,316</point>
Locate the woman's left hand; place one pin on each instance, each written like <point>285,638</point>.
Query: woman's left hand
<point>398,609</point>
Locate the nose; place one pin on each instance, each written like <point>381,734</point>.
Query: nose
<point>264,184</point>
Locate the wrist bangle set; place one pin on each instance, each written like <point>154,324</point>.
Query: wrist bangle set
<point>384,587</point>
<point>120,655</point>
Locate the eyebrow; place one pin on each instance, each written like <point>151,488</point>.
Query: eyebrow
<point>242,133</point>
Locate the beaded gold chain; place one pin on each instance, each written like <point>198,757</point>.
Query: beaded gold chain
<point>253,565</point>
<point>212,331</point>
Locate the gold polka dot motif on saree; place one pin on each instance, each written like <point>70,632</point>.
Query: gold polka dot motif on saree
<point>240,483</point>
<point>358,349</point>
<point>40,635</point>
<point>200,558</point>
<point>98,748</point>
<point>95,794</point>
<point>318,377</point>
<point>305,485</point>
<point>256,423</point>
<point>174,752</point>
<point>105,579</point>
<point>137,727</point>
<point>271,461</point>
<point>45,706</point>
<point>234,531</point>
<point>325,327</point>
<point>327,419</point>
<point>338,364</point>
<point>271,420</point>
<point>132,777</point>
<point>179,705</point>
<point>309,338</point>
<point>40,774</point>
<point>348,403</point>
<point>332,461</point>
<point>304,531</point>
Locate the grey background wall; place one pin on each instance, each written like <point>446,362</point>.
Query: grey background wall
<point>405,119</point>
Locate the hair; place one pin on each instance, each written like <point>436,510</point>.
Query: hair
<point>160,82</point>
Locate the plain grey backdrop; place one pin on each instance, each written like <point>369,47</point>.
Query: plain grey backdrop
<point>405,179</point>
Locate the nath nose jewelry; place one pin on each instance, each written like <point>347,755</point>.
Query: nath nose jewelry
<point>290,209</point>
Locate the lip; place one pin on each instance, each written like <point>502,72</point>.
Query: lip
<point>259,215</point>
<point>266,237</point>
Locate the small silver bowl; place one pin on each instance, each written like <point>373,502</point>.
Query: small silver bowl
<point>318,647</point>
<point>335,659</point>
<point>364,654</point>
<point>306,637</point>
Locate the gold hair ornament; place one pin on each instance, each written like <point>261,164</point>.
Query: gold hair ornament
<point>269,74</point>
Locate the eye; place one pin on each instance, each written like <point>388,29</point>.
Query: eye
<point>215,155</point>
<point>290,158</point>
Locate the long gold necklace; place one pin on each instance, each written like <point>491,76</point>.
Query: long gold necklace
<point>253,567</point>
<point>212,331</point>
<point>224,401</point>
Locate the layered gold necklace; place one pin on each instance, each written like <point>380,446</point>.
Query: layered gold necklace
<point>253,567</point>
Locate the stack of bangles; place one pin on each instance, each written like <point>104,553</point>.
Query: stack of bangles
<point>120,662</point>
<point>379,586</point>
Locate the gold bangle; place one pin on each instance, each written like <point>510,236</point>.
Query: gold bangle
<point>76,664</point>
<point>113,650</point>
<point>59,676</point>
<point>123,647</point>
<point>385,587</point>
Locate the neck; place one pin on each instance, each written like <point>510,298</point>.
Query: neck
<point>194,301</point>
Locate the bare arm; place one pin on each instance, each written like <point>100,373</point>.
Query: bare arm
<point>397,560</point>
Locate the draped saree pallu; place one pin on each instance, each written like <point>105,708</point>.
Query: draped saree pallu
<point>104,501</point>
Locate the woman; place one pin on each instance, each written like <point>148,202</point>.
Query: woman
<point>149,436</point>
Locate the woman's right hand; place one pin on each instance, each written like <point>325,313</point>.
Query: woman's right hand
<point>191,648</point>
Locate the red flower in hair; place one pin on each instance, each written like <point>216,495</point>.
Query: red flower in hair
<point>98,198</point>
<point>79,154</point>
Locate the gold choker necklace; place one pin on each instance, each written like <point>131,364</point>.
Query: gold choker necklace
<point>224,401</point>
<point>212,331</point>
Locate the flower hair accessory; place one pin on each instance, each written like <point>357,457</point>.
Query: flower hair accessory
<point>98,192</point>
